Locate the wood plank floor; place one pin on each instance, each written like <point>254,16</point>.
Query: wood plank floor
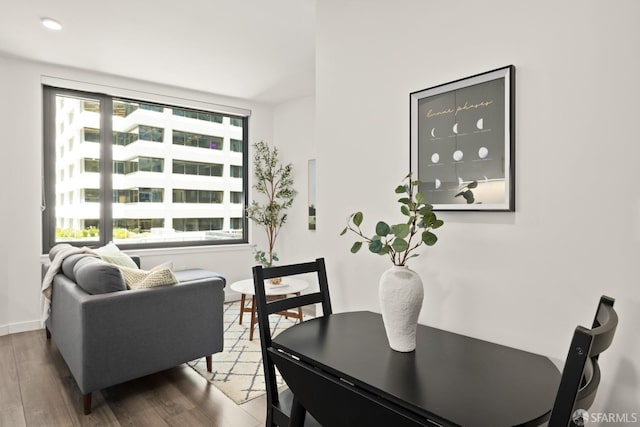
<point>37,389</point>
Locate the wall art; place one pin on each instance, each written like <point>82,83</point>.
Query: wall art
<point>462,142</point>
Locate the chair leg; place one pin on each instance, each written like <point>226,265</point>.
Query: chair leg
<point>209,363</point>
<point>47,332</point>
<point>242,303</point>
<point>253,318</point>
<point>86,403</point>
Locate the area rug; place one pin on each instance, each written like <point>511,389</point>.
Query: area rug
<point>237,370</point>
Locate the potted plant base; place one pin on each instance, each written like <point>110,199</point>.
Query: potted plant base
<point>401,292</point>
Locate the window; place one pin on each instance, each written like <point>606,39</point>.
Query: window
<point>236,145</point>
<point>196,168</point>
<point>198,224</point>
<point>91,165</point>
<point>91,135</point>
<point>135,183</point>
<point>236,223</point>
<point>196,140</point>
<point>150,133</point>
<point>236,197</point>
<point>197,196</point>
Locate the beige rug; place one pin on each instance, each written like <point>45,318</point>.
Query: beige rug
<point>237,370</point>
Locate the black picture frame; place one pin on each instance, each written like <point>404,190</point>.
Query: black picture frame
<point>463,142</point>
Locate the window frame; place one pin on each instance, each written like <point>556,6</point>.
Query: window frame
<point>106,220</point>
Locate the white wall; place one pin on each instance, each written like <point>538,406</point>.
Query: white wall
<point>21,147</point>
<point>525,279</point>
<point>294,135</point>
<point>4,210</point>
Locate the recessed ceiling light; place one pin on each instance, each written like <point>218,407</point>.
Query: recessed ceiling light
<point>51,24</point>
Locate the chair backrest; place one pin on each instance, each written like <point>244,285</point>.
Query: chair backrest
<point>334,402</point>
<point>581,373</point>
<point>265,308</point>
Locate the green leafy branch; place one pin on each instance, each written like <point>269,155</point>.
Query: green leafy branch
<point>275,181</point>
<point>399,240</point>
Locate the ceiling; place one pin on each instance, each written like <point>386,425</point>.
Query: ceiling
<point>263,50</point>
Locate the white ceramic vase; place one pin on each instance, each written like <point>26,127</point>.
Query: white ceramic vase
<point>401,294</point>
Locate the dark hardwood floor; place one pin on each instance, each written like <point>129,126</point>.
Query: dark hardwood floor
<point>37,389</point>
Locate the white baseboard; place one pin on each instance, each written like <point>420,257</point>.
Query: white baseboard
<point>14,328</point>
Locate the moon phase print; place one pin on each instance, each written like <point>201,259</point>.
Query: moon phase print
<point>462,142</point>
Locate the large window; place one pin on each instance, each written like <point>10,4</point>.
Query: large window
<point>130,179</point>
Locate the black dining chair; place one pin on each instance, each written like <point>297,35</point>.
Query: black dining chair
<point>581,373</point>
<point>280,405</point>
<point>335,402</point>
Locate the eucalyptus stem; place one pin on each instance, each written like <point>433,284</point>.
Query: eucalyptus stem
<point>397,240</point>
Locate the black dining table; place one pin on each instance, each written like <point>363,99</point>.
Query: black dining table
<point>449,380</point>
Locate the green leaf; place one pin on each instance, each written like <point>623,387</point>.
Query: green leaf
<point>399,245</point>
<point>401,189</point>
<point>356,247</point>
<point>400,230</point>
<point>420,198</point>
<point>344,231</point>
<point>357,218</point>
<point>473,184</point>
<point>382,229</point>
<point>385,250</point>
<point>375,246</point>
<point>437,224</point>
<point>425,210</point>
<point>429,238</point>
<point>405,200</point>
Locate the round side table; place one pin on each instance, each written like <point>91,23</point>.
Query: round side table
<point>288,286</point>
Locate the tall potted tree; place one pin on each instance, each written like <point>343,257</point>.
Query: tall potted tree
<point>401,291</point>
<point>274,181</point>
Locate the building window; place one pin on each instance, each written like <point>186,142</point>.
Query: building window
<point>91,135</point>
<point>236,146</point>
<point>197,196</point>
<point>236,223</point>
<point>113,203</point>
<point>236,197</point>
<point>198,224</point>
<point>198,115</point>
<point>91,195</point>
<point>150,133</point>
<point>90,165</point>
<point>196,168</point>
<point>150,164</point>
<point>190,139</point>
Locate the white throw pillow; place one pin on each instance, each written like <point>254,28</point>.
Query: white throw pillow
<point>111,253</point>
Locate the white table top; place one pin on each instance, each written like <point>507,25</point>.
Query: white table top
<point>289,285</point>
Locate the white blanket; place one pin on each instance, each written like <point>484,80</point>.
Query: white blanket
<point>54,268</point>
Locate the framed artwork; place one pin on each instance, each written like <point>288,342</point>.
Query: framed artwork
<point>462,142</point>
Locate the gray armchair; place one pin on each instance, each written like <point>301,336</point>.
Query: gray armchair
<point>110,338</point>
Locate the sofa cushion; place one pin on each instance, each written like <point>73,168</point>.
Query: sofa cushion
<point>58,248</point>
<point>69,264</point>
<point>112,253</point>
<point>96,276</point>
<point>140,279</point>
